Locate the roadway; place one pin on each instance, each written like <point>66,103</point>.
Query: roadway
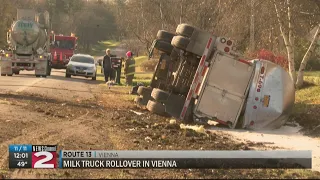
<point>54,86</point>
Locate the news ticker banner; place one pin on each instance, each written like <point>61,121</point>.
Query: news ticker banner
<point>46,156</point>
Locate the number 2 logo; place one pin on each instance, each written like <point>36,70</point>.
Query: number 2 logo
<point>39,163</point>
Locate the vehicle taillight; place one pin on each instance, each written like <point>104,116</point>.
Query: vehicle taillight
<point>234,48</point>
<point>7,55</point>
<point>262,70</point>
<point>229,43</point>
<point>226,49</point>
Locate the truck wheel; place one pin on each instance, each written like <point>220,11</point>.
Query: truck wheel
<point>9,74</point>
<point>3,74</point>
<point>185,30</point>
<point>141,101</point>
<point>38,76</point>
<point>16,72</point>
<point>68,75</point>
<point>156,107</point>
<point>160,95</point>
<point>138,100</point>
<point>180,42</point>
<point>49,72</point>
<point>44,76</point>
<point>165,36</point>
<point>144,91</point>
<point>164,47</point>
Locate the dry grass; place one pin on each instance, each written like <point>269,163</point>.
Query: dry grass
<point>144,78</point>
<point>307,105</point>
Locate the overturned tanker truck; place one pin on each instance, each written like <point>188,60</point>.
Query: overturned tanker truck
<point>201,78</point>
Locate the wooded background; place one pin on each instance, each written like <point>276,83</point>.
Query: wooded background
<point>281,28</point>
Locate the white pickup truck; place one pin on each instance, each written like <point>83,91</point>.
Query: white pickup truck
<point>227,89</point>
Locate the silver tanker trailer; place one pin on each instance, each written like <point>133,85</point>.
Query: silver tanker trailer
<point>28,45</point>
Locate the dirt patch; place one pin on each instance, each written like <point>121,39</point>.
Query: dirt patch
<point>153,132</point>
<point>104,124</point>
<point>149,131</point>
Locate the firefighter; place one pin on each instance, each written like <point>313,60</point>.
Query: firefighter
<point>129,68</point>
<point>107,69</point>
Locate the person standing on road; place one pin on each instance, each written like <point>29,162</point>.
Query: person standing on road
<point>107,69</point>
<point>129,68</point>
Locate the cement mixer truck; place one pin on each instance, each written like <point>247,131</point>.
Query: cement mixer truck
<point>28,45</point>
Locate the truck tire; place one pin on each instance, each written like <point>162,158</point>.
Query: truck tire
<point>159,95</point>
<point>141,101</point>
<point>44,76</point>
<point>138,100</point>
<point>49,72</point>
<point>3,74</point>
<point>38,76</point>
<point>164,47</point>
<point>165,36</point>
<point>185,30</point>
<point>16,71</point>
<point>156,107</point>
<point>180,42</point>
<point>144,91</point>
<point>9,74</point>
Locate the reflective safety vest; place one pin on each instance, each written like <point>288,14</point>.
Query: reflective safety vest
<point>130,67</point>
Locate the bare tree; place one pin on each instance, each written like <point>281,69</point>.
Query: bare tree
<point>310,50</point>
<point>287,37</point>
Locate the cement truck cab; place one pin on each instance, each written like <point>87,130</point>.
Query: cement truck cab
<point>28,45</point>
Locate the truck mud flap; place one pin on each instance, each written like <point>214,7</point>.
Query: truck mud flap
<point>174,105</point>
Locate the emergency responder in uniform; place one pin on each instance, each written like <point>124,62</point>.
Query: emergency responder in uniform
<point>129,68</point>
<point>107,69</point>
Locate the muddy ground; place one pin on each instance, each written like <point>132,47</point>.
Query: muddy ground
<point>106,122</point>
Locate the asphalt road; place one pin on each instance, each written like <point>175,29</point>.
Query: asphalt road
<point>55,86</point>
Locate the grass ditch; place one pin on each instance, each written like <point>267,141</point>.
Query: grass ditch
<point>306,110</point>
